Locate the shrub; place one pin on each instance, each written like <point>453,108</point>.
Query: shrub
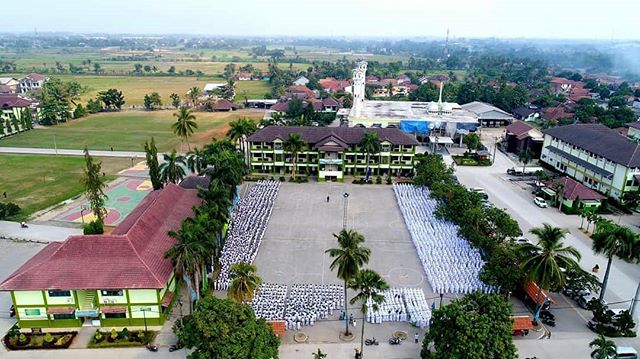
<point>281,178</point>
<point>113,336</point>
<point>124,333</point>
<point>8,209</point>
<point>48,338</point>
<point>378,180</point>
<point>141,336</point>
<point>14,331</point>
<point>23,339</point>
<point>389,180</point>
<point>94,227</point>
<point>61,341</point>
<point>98,337</point>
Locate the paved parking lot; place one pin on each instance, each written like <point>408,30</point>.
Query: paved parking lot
<point>301,228</point>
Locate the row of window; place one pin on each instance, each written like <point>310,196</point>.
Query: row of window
<point>67,293</point>
<point>588,153</point>
<point>38,312</point>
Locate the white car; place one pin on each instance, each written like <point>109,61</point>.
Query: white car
<point>540,202</point>
<point>521,240</point>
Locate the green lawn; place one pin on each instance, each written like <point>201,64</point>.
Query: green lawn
<point>127,131</point>
<point>38,182</point>
<point>251,89</point>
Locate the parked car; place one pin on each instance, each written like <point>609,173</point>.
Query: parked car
<point>521,240</point>
<point>540,202</point>
<point>479,190</point>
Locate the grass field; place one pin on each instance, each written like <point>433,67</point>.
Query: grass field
<point>127,131</point>
<point>135,87</point>
<point>38,182</point>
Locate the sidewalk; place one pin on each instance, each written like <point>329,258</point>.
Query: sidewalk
<point>36,232</point>
<point>67,152</point>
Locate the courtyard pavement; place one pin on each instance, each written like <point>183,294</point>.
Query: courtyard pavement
<point>36,232</point>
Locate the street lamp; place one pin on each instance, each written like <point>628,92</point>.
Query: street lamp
<point>344,215</point>
<point>144,316</point>
<point>82,209</point>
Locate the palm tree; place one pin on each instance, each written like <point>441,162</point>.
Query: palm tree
<point>187,256</point>
<point>195,161</point>
<point>369,143</point>
<point>612,240</point>
<point>294,144</point>
<point>546,262</point>
<point>244,282</point>
<point>348,258</point>
<point>368,284</point>
<point>604,348</point>
<point>525,157</point>
<point>193,95</point>
<point>240,130</point>
<point>319,354</point>
<point>559,187</point>
<point>173,168</point>
<point>184,125</point>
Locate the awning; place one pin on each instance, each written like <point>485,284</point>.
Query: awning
<point>441,140</point>
<point>522,322</point>
<point>113,310</point>
<point>61,310</point>
<point>537,295</point>
<point>549,191</point>
<point>167,299</point>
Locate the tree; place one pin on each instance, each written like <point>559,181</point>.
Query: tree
<point>151,154</point>
<point>184,125</point>
<point>193,95</point>
<point>603,348</point>
<point>187,255</point>
<point>525,156</point>
<point>93,106</point>
<point>631,199</point>
<point>319,354</point>
<point>94,184</point>
<point>244,282</point>
<point>175,100</point>
<point>502,269</point>
<point>369,144</point>
<point>239,130</point>
<point>152,101</point>
<point>348,258</point>
<point>368,285</point>
<point>294,144</point>
<point>195,161</point>
<point>27,118</point>
<point>97,68</point>
<point>546,262</point>
<point>173,168</point>
<point>476,326</point>
<point>80,111</point>
<point>112,99</point>
<point>221,328</point>
<point>295,108</point>
<point>472,141</point>
<point>612,240</point>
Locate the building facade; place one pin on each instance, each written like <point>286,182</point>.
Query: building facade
<point>31,82</point>
<point>596,156</point>
<point>119,279</point>
<point>330,153</point>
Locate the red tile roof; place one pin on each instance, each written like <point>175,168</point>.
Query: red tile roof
<point>518,128</point>
<point>11,100</point>
<point>556,113</point>
<point>223,105</point>
<point>61,310</point>
<point>132,256</point>
<point>109,309</point>
<point>332,85</point>
<point>307,92</point>
<point>36,77</point>
<point>574,189</point>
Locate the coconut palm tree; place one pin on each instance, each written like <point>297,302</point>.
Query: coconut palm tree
<point>611,240</point>
<point>604,348</point>
<point>545,262</point>
<point>239,130</point>
<point>228,168</point>
<point>193,95</point>
<point>348,258</point>
<point>244,282</point>
<point>187,256</point>
<point>368,284</point>
<point>294,144</point>
<point>185,124</point>
<point>173,168</point>
<point>369,144</point>
<point>195,160</point>
<point>525,157</point>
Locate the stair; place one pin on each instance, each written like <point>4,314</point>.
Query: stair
<point>87,302</point>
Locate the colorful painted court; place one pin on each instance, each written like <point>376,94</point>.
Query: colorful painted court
<point>123,197</point>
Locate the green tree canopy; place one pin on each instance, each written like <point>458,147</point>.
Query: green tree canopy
<point>476,326</point>
<point>221,329</point>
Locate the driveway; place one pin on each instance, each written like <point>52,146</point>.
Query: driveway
<point>36,232</point>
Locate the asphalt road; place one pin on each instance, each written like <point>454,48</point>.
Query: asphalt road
<point>570,337</point>
<point>67,152</point>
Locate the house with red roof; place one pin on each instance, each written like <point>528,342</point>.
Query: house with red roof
<point>332,85</point>
<point>117,279</point>
<point>31,82</point>
<point>570,191</point>
<point>12,110</point>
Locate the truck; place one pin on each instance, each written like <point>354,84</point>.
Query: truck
<point>528,171</point>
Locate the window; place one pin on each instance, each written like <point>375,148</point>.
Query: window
<point>59,293</point>
<point>277,146</point>
<point>112,293</point>
<point>115,315</point>
<point>35,312</point>
<point>64,316</point>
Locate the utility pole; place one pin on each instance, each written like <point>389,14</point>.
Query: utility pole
<point>634,302</point>
<point>495,145</point>
<point>344,215</point>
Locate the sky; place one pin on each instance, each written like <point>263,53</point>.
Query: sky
<point>554,19</point>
